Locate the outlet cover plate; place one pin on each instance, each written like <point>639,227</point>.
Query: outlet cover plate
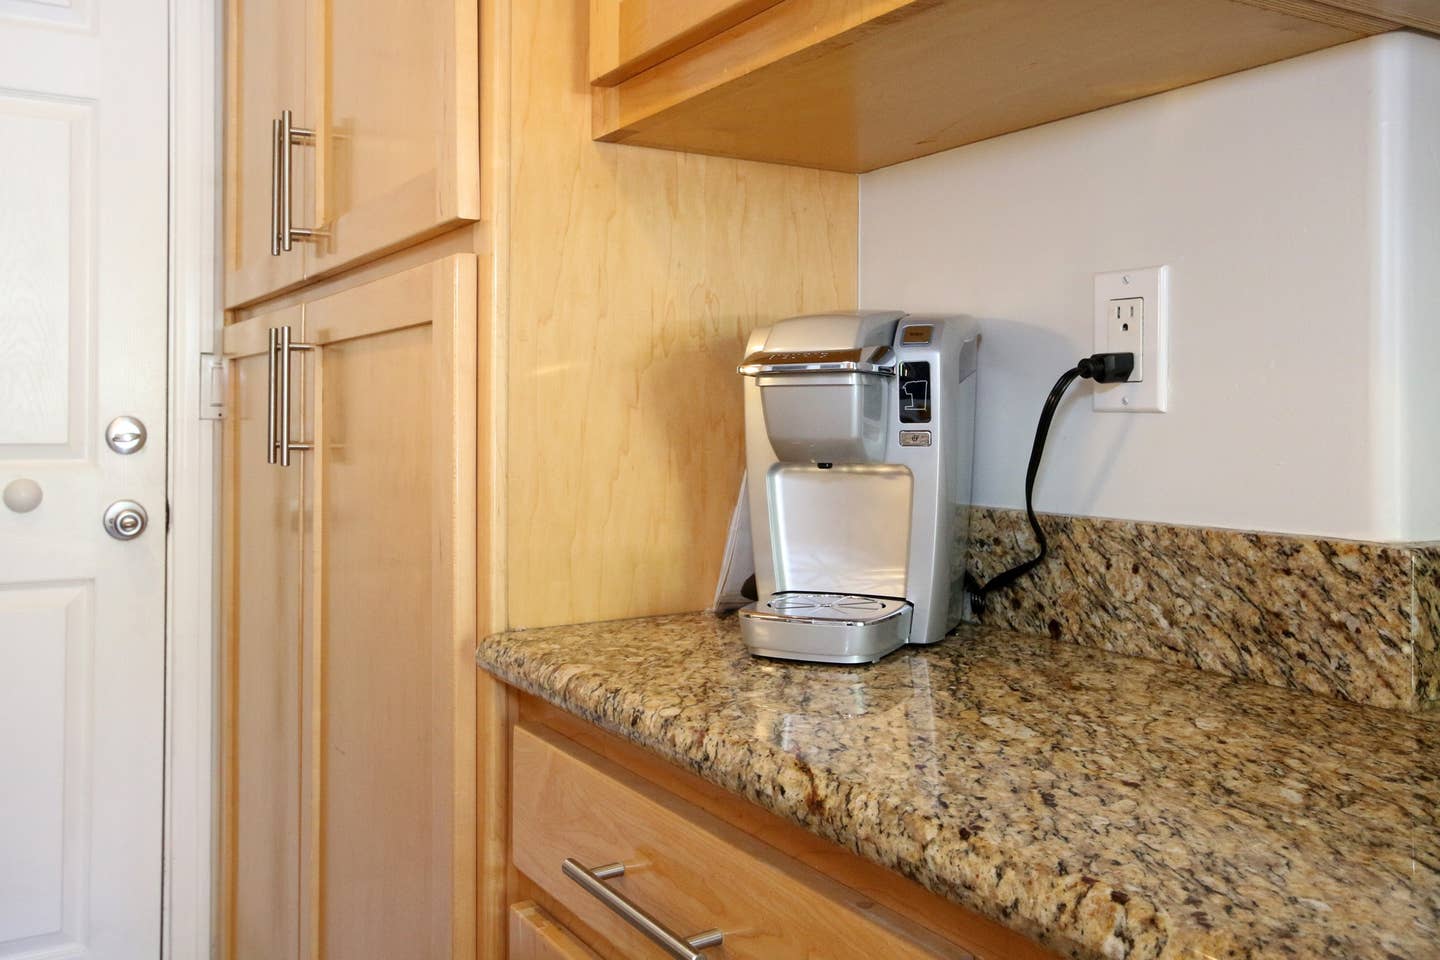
<point>1150,393</point>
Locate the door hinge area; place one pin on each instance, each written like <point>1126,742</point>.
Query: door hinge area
<point>212,387</point>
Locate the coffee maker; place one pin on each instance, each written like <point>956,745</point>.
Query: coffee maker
<point>859,439</point>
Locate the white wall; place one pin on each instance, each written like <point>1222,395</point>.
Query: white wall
<point>1298,208</point>
<point>1408,255</point>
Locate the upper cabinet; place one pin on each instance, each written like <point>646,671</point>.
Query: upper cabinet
<point>352,130</point>
<point>854,85</point>
<point>267,79</point>
<point>628,36</point>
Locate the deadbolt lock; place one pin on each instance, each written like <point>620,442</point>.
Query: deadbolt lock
<point>125,435</point>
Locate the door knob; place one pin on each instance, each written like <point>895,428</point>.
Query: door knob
<point>23,495</point>
<point>125,435</point>
<point>125,520</point>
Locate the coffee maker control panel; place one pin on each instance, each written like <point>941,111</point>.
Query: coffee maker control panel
<point>915,391</point>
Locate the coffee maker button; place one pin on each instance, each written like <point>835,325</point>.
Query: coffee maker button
<point>914,438</point>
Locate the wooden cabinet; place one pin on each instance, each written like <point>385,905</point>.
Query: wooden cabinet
<point>688,869</point>
<point>390,96</point>
<point>396,96</point>
<point>265,74</point>
<point>349,721</point>
<point>854,85</point>
<point>697,858</point>
<point>628,36</point>
<point>391,755</point>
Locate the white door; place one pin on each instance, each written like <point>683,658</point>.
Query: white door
<point>83,291</point>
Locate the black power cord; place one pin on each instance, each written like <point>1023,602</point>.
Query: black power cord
<point>1100,367</point>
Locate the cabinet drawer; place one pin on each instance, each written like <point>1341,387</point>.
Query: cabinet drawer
<point>534,935</point>
<point>688,870</point>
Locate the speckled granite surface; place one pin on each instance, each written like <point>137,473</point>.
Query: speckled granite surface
<point>1105,805</point>
<point>1359,621</point>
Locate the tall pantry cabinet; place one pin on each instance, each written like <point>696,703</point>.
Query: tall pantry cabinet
<point>349,592</point>
<point>348,478</point>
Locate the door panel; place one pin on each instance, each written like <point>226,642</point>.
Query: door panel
<point>45,644</point>
<point>395,90</point>
<point>83,264</point>
<point>377,682</point>
<point>265,74</point>
<point>45,282</point>
<point>389,773</point>
<point>263,510</point>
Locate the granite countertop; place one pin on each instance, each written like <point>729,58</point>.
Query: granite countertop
<point>1104,805</point>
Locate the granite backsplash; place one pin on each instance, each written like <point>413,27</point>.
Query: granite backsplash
<point>1354,620</point>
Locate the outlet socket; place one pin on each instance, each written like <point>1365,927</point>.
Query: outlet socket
<point>1131,314</point>
<point>1125,332</point>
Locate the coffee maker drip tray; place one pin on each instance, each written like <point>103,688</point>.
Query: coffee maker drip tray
<point>825,627</point>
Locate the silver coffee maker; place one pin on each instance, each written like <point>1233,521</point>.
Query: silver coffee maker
<point>859,438</point>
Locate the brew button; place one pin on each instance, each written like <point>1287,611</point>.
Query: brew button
<point>914,438</point>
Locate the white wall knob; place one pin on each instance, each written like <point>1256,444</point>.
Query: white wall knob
<point>23,495</point>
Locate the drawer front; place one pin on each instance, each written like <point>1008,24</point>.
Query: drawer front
<point>534,935</point>
<point>691,872</point>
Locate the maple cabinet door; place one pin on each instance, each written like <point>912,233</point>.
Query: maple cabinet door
<point>396,106</point>
<point>388,820</point>
<point>262,544</point>
<point>266,50</point>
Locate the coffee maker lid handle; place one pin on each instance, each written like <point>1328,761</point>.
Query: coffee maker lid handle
<point>876,360</point>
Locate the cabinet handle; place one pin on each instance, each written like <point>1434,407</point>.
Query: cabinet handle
<point>286,347</point>
<point>275,188</point>
<point>271,406</point>
<point>290,136</point>
<point>593,883</point>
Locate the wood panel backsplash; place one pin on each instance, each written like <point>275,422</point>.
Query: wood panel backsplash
<point>635,276</point>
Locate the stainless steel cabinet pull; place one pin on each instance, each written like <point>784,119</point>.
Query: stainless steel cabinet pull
<point>275,188</point>
<point>272,408</point>
<point>291,135</point>
<point>593,883</point>
<point>286,346</point>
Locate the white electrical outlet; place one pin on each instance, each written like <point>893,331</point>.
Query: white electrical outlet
<point>1131,313</point>
<point>1125,332</point>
